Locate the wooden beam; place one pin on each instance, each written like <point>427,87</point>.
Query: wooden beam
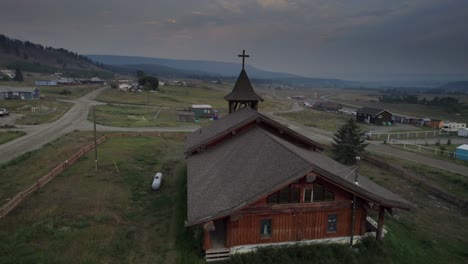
<point>380,223</point>
<point>207,240</point>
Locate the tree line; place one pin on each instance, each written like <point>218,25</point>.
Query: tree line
<point>25,48</point>
<point>413,99</point>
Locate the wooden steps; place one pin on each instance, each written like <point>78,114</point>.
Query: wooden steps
<point>218,254</point>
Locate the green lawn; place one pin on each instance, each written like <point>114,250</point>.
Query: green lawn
<point>46,110</point>
<point>6,136</point>
<point>444,151</point>
<point>183,97</point>
<point>84,216</point>
<point>168,96</point>
<point>138,116</point>
<point>320,119</point>
<point>66,92</point>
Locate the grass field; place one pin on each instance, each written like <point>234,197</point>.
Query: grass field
<point>168,96</point>
<point>371,99</point>
<point>66,92</point>
<point>46,110</point>
<point>183,97</point>
<point>444,151</point>
<point>6,136</point>
<point>84,216</point>
<point>320,119</point>
<point>139,116</point>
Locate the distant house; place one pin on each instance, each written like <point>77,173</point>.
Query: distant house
<point>46,83</point>
<point>434,123</point>
<point>185,116</point>
<point>19,93</point>
<point>404,119</point>
<point>8,73</point>
<point>461,153</point>
<point>161,83</point>
<point>180,83</point>
<point>65,80</point>
<point>309,102</point>
<point>202,111</point>
<point>373,116</point>
<point>298,97</point>
<point>126,87</point>
<point>327,106</point>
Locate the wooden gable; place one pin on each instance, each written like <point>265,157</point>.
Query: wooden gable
<point>298,220</point>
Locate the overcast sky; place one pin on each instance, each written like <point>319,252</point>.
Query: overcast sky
<point>349,39</point>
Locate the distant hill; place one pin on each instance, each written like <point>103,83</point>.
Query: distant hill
<point>452,87</point>
<point>207,69</point>
<point>34,57</point>
<point>201,67</point>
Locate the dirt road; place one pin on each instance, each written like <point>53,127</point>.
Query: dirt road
<point>74,119</point>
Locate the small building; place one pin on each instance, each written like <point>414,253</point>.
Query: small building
<point>8,73</point>
<point>434,123</point>
<point>327,106</point>
<point>126,87</point>
<point>45,83</point>
<point>461,153</point>
<point>202,111</point>
<point>298,97</point>
<point>405,119</point>
<point>185,116</point>
<point>374,116</point>
<point>452,127</point>
<point>19,93</point>
<point>65,81</point>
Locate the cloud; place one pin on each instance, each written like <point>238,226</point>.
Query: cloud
<point>171,20</point>
<point>151,22</point>
<point>277,4</point>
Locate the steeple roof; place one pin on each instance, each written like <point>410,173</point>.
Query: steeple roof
<point>243,90</point>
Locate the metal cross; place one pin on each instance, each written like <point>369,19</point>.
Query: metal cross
<point>243,58</point>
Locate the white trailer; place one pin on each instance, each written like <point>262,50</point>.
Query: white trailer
<point>452,127</point>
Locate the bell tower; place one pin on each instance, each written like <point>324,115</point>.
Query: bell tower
<point>243,94</point>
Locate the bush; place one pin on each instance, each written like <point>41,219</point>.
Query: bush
<point>65,92</point>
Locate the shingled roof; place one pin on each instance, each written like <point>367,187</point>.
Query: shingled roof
<point>243,90</point>
<point>370,111</point>
<point>231,175</point>
<point>232,121</point>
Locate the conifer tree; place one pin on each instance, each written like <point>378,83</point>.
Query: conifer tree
<point>348,143</point>
<point>18,75</point>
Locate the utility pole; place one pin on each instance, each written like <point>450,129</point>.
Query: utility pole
<point>353,215</point>
<point>95,139</point>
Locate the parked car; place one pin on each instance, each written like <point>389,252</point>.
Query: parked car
<point>157,181</point>
<point>4,112</point>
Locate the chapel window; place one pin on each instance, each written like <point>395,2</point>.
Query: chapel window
<point>265,228</point>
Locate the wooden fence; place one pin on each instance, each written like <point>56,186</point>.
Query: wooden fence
<point>20,197</point>
<point>402,135</point>
<point>15,201</point>
<point>429,150</point>
<point>434,190</point>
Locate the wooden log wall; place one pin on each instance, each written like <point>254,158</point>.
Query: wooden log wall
<point>293,226</point>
